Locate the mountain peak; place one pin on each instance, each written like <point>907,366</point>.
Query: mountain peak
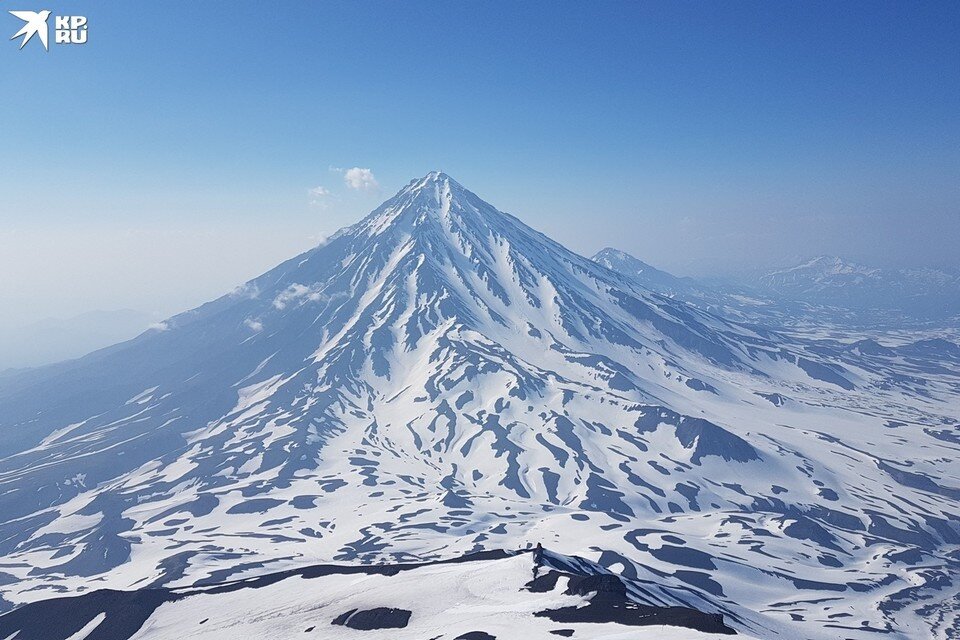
<point>437,176</point>
<point>433,198</point>
<point>638,270</point>
<point>831,265</point>
<point>825,260</point>
<point>609,255</point>
<point>434,185</point>
<point>433,178</point>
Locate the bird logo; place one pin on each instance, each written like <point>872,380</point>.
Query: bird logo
<point>36,24</point>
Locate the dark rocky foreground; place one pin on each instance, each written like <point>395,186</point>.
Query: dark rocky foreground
<point>125,612</point>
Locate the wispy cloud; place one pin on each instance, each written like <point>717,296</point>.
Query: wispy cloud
<point>298,294</point>
<point>360,179</point>
<point>247,290</point>
<point>254,325</point>
<point>294,292</point>
<point>319,196</point>
<point>319,239</point>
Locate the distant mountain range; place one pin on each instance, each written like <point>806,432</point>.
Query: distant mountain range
<point>832,281</point>
<point>825,288</point>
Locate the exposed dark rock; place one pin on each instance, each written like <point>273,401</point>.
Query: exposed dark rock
<point>826,373</point>
<point>607,601</point>
<point>60,618</point>
<point>376,618</point>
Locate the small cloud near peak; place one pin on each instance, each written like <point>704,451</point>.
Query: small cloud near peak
<point>360,179</point>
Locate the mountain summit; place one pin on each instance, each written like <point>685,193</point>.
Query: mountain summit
<point>441,379</point>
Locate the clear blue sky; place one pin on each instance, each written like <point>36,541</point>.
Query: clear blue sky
<point>171,156</point>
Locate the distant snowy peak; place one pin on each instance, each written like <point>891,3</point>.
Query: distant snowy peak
<point>615,259</point>
<point>835,264</point>
<point>819,269</point>
<point>641,272</point>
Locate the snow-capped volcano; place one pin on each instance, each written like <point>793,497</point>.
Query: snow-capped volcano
<point>440,379</point>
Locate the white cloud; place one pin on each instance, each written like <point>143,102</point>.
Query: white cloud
<point>248,290</point>
<point>300,294</point>
<point>290,294</point>
<point>255,325</point>
<point>159,326</point>
<point>360,179</point>
<point>319,196</point>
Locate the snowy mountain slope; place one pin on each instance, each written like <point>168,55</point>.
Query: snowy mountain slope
<point>440,379</point>
<point>489,595</point>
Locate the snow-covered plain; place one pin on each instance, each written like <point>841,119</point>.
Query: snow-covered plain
<point>440,379</point>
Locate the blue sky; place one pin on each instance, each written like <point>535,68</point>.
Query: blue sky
<point>171,156</point>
